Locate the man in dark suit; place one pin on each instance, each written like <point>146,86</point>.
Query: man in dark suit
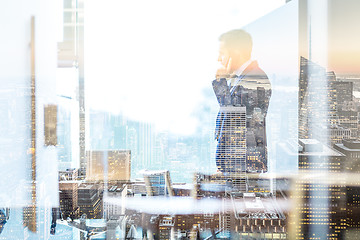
<point>243,91</point>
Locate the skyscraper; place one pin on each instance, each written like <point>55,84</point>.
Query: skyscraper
<point>320,205</point>
<point>158,183</point>
<point>231,153</point>
<point>349,119</point>
<point>111,165</point>
<point>68,193</point>
<point>344,91</point>
<point>89,201</point>
<point>351,149</point>
<point>317,100</point>
<point>69,198</point>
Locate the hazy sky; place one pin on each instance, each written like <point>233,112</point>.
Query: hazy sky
<point>338,23</point>
<point>152,60</point>
<point>344,36</point>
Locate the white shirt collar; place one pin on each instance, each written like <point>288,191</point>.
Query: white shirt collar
<point>241,69</point>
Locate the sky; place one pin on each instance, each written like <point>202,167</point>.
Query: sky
<point>152,61</point>
<point>344,36</point>
<point>336,39</point>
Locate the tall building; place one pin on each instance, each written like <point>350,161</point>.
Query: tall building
<point>145,144</point>
<point>70,56</point>
<point>111,165</point>
<point>320,206</point>
<point>69,174</point>
<point>261,96</point>
<point>351,149</point>
<point>338,133</point>
<point>232,147</point>
<point>344,91</point>
<point>321,100</point>
<point>331,97</point>
<point>315,156</point>
<point>4,217</point>
<point>89,201</point>
<point>158,183</point>
<point>65,141</point>
<point>317,100</point>
<point>113,210</point>
<point>349,120</point>
<point>68,193</point>
<point>160,149</point>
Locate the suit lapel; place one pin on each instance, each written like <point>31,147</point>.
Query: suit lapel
<point>252,65</point>
<point>237,83</point>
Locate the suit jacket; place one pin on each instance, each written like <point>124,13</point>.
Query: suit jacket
<point>240,124</point>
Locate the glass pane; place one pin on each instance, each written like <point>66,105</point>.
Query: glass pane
<point>180,120</point>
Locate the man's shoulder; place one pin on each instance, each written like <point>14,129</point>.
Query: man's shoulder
<point>254,77</point>
<point>253,70</point>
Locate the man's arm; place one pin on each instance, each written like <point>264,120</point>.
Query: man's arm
<point>222,91</point>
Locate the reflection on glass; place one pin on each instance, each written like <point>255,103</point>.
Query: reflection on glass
<point>244,99</point>
<point>122,125</point>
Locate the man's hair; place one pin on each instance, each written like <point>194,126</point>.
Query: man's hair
<point>237,40</point>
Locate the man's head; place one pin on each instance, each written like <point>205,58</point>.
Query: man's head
<point>237,46</point>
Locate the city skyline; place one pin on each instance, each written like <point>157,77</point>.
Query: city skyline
<point>118,122</point>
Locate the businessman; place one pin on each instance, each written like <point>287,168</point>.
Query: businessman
<point>243,92</point>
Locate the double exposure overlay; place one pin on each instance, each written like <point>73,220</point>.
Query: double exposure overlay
<point>180,119</point>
